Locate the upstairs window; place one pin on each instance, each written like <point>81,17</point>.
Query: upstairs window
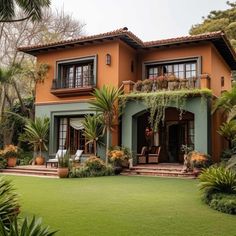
<point>77,75</point>
<point>183,70</point>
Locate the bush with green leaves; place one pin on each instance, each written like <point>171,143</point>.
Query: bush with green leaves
<point>95,164</point>
<point>218,185</point>
<point>3,162</point>
<point>9,205</point>
<point>27,227</point>
<point>224,202</point>
<point>217,179</point>
<point>92,168</point>
<point>64,161</point>
<point>26,158</point>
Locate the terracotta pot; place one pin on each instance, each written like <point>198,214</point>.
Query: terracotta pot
<point>62,172</point>
<point>11,161</point>
<point>39,160</point>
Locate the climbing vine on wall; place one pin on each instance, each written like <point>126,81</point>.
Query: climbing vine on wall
<point>157,102</point>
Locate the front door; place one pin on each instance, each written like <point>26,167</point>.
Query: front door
<point>176,138</point>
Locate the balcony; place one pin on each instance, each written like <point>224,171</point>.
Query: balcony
<point>66,88</point>
<point>166,83</point>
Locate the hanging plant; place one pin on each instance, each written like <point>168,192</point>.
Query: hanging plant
<point>157,102</point>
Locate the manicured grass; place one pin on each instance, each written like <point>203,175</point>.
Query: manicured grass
<point>122,206</point>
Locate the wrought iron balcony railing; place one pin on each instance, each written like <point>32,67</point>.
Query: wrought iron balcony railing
<point>66,88</point>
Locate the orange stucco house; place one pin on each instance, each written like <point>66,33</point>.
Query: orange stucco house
<point>119,58</point>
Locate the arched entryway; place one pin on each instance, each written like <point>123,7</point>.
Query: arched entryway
<point>196,120</point>
<point>171,135</point>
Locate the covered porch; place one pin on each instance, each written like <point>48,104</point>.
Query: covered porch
<point>192,129</point>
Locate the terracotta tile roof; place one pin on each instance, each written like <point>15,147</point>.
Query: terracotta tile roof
<point>124,32</point>
<point>218,38</point>
<point>119,32</point>
<point>183,39</point>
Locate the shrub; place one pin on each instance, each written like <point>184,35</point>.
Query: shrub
<point>10,151</point>
<point>83,172</point>
<point>117,155</point>
<point>9,205</point>
<point>227,153</point>
<point>217,180</point>
<point>3,162</point>
<point>26,158</point>
<point>93,163</point>
<point>199,160</point>
<point>224,202</point>
<point>26,228</point>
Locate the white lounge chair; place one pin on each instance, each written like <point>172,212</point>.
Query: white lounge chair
<point>54,161</point>
<point>77,156</point>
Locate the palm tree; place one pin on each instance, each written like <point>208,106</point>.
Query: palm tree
<point>31,8</point>
<point>228,131</point>
<point>106,104</point>
<point>36,133</point>
<point>93,131</point>
<point>227,101</point>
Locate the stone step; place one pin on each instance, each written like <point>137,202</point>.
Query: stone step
<point>39,169</point>
<point>29,172</point>
<point>159,173</point>
<point>157,168</point>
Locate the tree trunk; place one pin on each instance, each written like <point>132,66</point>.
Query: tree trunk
<point>24,110</point>
<point>95,147</point>
<point>107,145</point>
<point>3,99</point>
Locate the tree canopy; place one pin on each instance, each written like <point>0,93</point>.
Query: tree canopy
<point>219,20</point>
<point>32,9</point>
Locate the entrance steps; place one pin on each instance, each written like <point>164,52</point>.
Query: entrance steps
<point>161,169</point>
<point>40,171</point>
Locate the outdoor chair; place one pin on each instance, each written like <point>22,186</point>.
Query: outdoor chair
<point>153,156</point>
<point>54,161</point>
<point>77,156</point>
<point>142,156</point>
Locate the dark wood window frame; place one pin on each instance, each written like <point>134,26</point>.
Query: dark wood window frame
<point>176,68</point>
<point>80,139</point>
<point>79,83</point>
<point>196,58</point>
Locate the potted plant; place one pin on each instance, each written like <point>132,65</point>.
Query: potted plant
<point>138,86</point>
<point>147,85</point>
<point>36,133</point>
<point>187,158</point>
<point>10,152</point>
<point>63,165</point>
<point>119,157</point>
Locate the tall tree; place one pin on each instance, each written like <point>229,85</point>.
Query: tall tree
<point>54,26</point>
<point>106,104</point>
<point>32,9</point>
<point>219,20</point>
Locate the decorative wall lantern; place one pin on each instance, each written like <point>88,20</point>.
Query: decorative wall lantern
<point>108,59</point>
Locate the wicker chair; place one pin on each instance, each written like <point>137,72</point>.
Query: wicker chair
<point>153,156</point>
<point>142,156</point>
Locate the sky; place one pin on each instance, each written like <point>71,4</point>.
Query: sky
<point>147,19</point>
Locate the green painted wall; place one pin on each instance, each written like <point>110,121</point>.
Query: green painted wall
<point>68,109</point>
<point>198,106</point>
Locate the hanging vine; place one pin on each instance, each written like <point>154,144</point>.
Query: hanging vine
<point>157,102</point>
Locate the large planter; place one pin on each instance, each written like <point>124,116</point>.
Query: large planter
<point>39,160</point>
<point>63,172</point>
<point>11,161</point>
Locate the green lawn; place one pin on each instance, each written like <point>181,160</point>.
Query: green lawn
<point>122,206</point>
